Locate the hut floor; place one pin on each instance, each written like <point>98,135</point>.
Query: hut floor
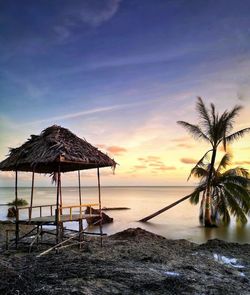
<point>51,219</point>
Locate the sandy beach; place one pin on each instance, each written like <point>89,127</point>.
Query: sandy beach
<point>133,261</point>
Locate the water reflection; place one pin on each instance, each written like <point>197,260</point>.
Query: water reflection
<point>180,222</point>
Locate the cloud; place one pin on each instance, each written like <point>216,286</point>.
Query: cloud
<point>95,13</point>
<point>77,13</point>
<point>164,168</point>
<point>158,164</point>
<point>181,139</point>
<point>116,150</point>
<point>141,159</point>
<point>153,158</point>
<point>89,112</point>
<point>188,161</point>
<point>101,146</point>
<point>242,163</point>
<point>149,159</point>
<point>185,145</point>
<point>153,162</point>
<point>140,166</point>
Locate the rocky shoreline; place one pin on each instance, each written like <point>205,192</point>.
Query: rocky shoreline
<point>130,262</point>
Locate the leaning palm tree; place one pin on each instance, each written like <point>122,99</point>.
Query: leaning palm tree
<point>228,189</point>
<point>215,129</point>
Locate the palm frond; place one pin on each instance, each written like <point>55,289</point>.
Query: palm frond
<point>233,113</point>
<point>194,130</point>
<point>240,194</point>
<point>199,172</point>
<point>199,163</point>
<point>195,197</point>
<point>235,207</point>
<point>237,171</point>
<point>224,162</point>
<point>237,135</point>
<point>213,113</point>
<point>222,208</point>
<point>54,177</point>
<point>204,114</point>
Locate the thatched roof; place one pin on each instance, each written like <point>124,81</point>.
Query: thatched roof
<point>54,147</point>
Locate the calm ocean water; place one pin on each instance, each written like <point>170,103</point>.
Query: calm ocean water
<point>180,222</point>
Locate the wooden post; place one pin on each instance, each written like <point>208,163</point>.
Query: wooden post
<point>31,195</point>
<point>80,203</point>
<point>57,205</point>
<point>60,191</point>
<point>80,192</point>
<point>17,212</point>
<point>100,203</point>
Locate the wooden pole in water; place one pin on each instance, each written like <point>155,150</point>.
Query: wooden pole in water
<point>17,212</point>
<point>100,203</point>
<point>31,195</point>
<point>164,209</point>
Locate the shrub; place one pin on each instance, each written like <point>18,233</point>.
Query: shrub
<point>18,202</point>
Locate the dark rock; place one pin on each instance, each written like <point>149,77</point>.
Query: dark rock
<point>12,212</point>
<point>96,219</point>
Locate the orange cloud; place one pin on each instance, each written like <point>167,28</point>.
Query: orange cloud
<point>116,150</point>
<point>188,161</point>
<point>164,168</point>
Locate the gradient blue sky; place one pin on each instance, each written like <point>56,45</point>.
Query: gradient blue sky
<point>120,74</point>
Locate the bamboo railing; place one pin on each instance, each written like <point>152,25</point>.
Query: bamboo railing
<point>53,212</point>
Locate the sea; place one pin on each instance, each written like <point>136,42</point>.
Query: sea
<point>180,222</point>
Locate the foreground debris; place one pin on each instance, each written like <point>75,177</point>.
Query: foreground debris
<point>131,262</point>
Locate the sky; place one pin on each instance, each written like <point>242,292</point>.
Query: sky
<point>121,73</point>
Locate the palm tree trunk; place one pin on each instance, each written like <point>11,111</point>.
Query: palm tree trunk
<point>201,215</point>
<point>208,219</point>
<point>164,209</point>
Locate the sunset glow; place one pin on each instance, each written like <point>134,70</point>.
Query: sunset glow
<point>121,74</point>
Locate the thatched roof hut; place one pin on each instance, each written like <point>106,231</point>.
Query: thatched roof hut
<point>55,148</point>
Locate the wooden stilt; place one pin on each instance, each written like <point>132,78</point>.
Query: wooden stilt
<point>17,212</point>
<point>58,210</point>
<point>60,191</point>
<point>80,203</point>
<point>80,192</point>
<point>100,203</point>
<point>31,195</point>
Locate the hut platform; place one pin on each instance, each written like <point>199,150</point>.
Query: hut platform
<point>50,220</point>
